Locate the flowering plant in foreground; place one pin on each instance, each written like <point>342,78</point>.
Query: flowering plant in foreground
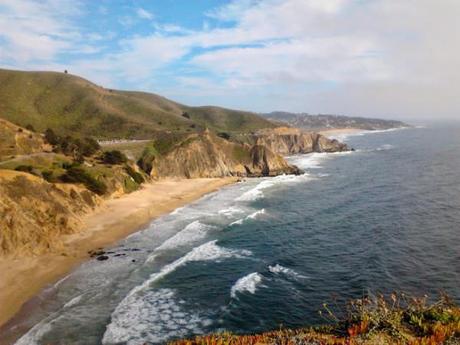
<point>380,320</point>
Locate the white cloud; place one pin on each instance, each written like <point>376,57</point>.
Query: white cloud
<point>144,14</point>
<point>362,57</point>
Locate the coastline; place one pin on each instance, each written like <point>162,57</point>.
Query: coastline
<point>25,277</point>
<point>340,131</point>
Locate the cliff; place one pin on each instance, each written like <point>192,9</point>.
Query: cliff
<point>256,154</point>
<point>35,213</point>
<point>289,141</point>
<point>207,155</point>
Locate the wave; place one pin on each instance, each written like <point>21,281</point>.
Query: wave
<point>191,233</point>
<point>257,192</point>
<point>278,269</point>
<point>73,301</point>
<point>314,160</point>
<point>121,325</point>
<point>247,283</point>
<point>154,318</point>
<point>254,215</point>
<point>231,211</point>
<point>385,147</point>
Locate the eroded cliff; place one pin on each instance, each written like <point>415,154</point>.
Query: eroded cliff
<point>207,155</point>
<point>289,141</point>
<point>35,213</point>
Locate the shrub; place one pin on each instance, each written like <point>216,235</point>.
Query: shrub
<point>30,127</point>
<point>224,135</point>
<point>89,147</point>
<point>114,157</point>
<point>77,174</point>
<point>186,115</point>
<point>137,177</point>
<point>24,168</point>
<point>51,137</point>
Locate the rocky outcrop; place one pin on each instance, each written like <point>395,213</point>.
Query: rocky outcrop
<point>207,155</point>
<point>288,141</point>
<point>34,213</point>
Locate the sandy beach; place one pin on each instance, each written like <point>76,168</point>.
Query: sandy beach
<point>336,131</point>
<point>22,278</point>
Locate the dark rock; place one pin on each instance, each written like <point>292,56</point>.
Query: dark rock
<point>102,258</point>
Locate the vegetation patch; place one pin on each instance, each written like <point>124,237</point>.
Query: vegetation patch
<point>76,174</point>
<point>398,319</point>
<point>114,157</point>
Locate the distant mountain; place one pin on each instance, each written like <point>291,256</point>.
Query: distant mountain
<point>319,122</point>
<point>71,105</point>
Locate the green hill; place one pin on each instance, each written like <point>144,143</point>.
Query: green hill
<point>71,105</point>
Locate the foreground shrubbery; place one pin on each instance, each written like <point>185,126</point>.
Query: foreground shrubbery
<point>400,319</point>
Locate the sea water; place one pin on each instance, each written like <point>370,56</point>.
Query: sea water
<point>269,252</point>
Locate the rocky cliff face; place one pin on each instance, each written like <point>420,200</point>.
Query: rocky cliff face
<point>35,213</point>
<point>206,155</point>
<point>257,154</point>
<point>288,141</point>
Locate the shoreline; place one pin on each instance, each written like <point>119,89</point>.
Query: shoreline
<point>339,131</point>
<point>23,278</point>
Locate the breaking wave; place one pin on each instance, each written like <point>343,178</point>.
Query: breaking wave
<point>123,326</point>
<point>155,317</point>
<point>278,269</point>
<point>192,232</point>
<point>247,283</point>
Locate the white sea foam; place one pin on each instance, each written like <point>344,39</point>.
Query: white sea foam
<point>231,211</point>
<point>191,233</point>
<point>253,215</point>
<point>155,317</point>
<point>209,251</point>
<point>385,147</point>
<point>256,214</point>
<point>257,192</point>
<point>278,269</point>
<point>247,283</point>
<point>126,323</point>
<point>73,301</point>
<point>33,336</point>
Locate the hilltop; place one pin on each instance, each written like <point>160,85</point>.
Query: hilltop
<point>69,104</point>
<point>322,122</point>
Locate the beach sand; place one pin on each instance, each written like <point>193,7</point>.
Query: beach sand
<point>338,131</point>
<point>24,277</point>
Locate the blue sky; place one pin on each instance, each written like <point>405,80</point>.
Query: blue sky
<point>384,58</point>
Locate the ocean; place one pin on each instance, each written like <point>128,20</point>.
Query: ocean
<point>267,253</point>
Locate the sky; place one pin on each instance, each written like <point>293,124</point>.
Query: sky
<point>379,58</point>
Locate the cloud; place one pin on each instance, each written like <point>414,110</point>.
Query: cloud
<point>32,31</point>
<point>347,56</point>
<point>144,14</point>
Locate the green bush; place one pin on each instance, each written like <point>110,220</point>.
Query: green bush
<point>114,157</point>
<point>24,168</point>
<point>51,137</point>
<point>137,177</point>
<point>77,174</point>
<point>224,135</point>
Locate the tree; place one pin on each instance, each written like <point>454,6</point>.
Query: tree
<point>51,137</point>
<point>114,157</point>
<point>65,71</point>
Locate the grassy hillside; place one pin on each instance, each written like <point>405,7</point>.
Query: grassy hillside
<point>71,105</point>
